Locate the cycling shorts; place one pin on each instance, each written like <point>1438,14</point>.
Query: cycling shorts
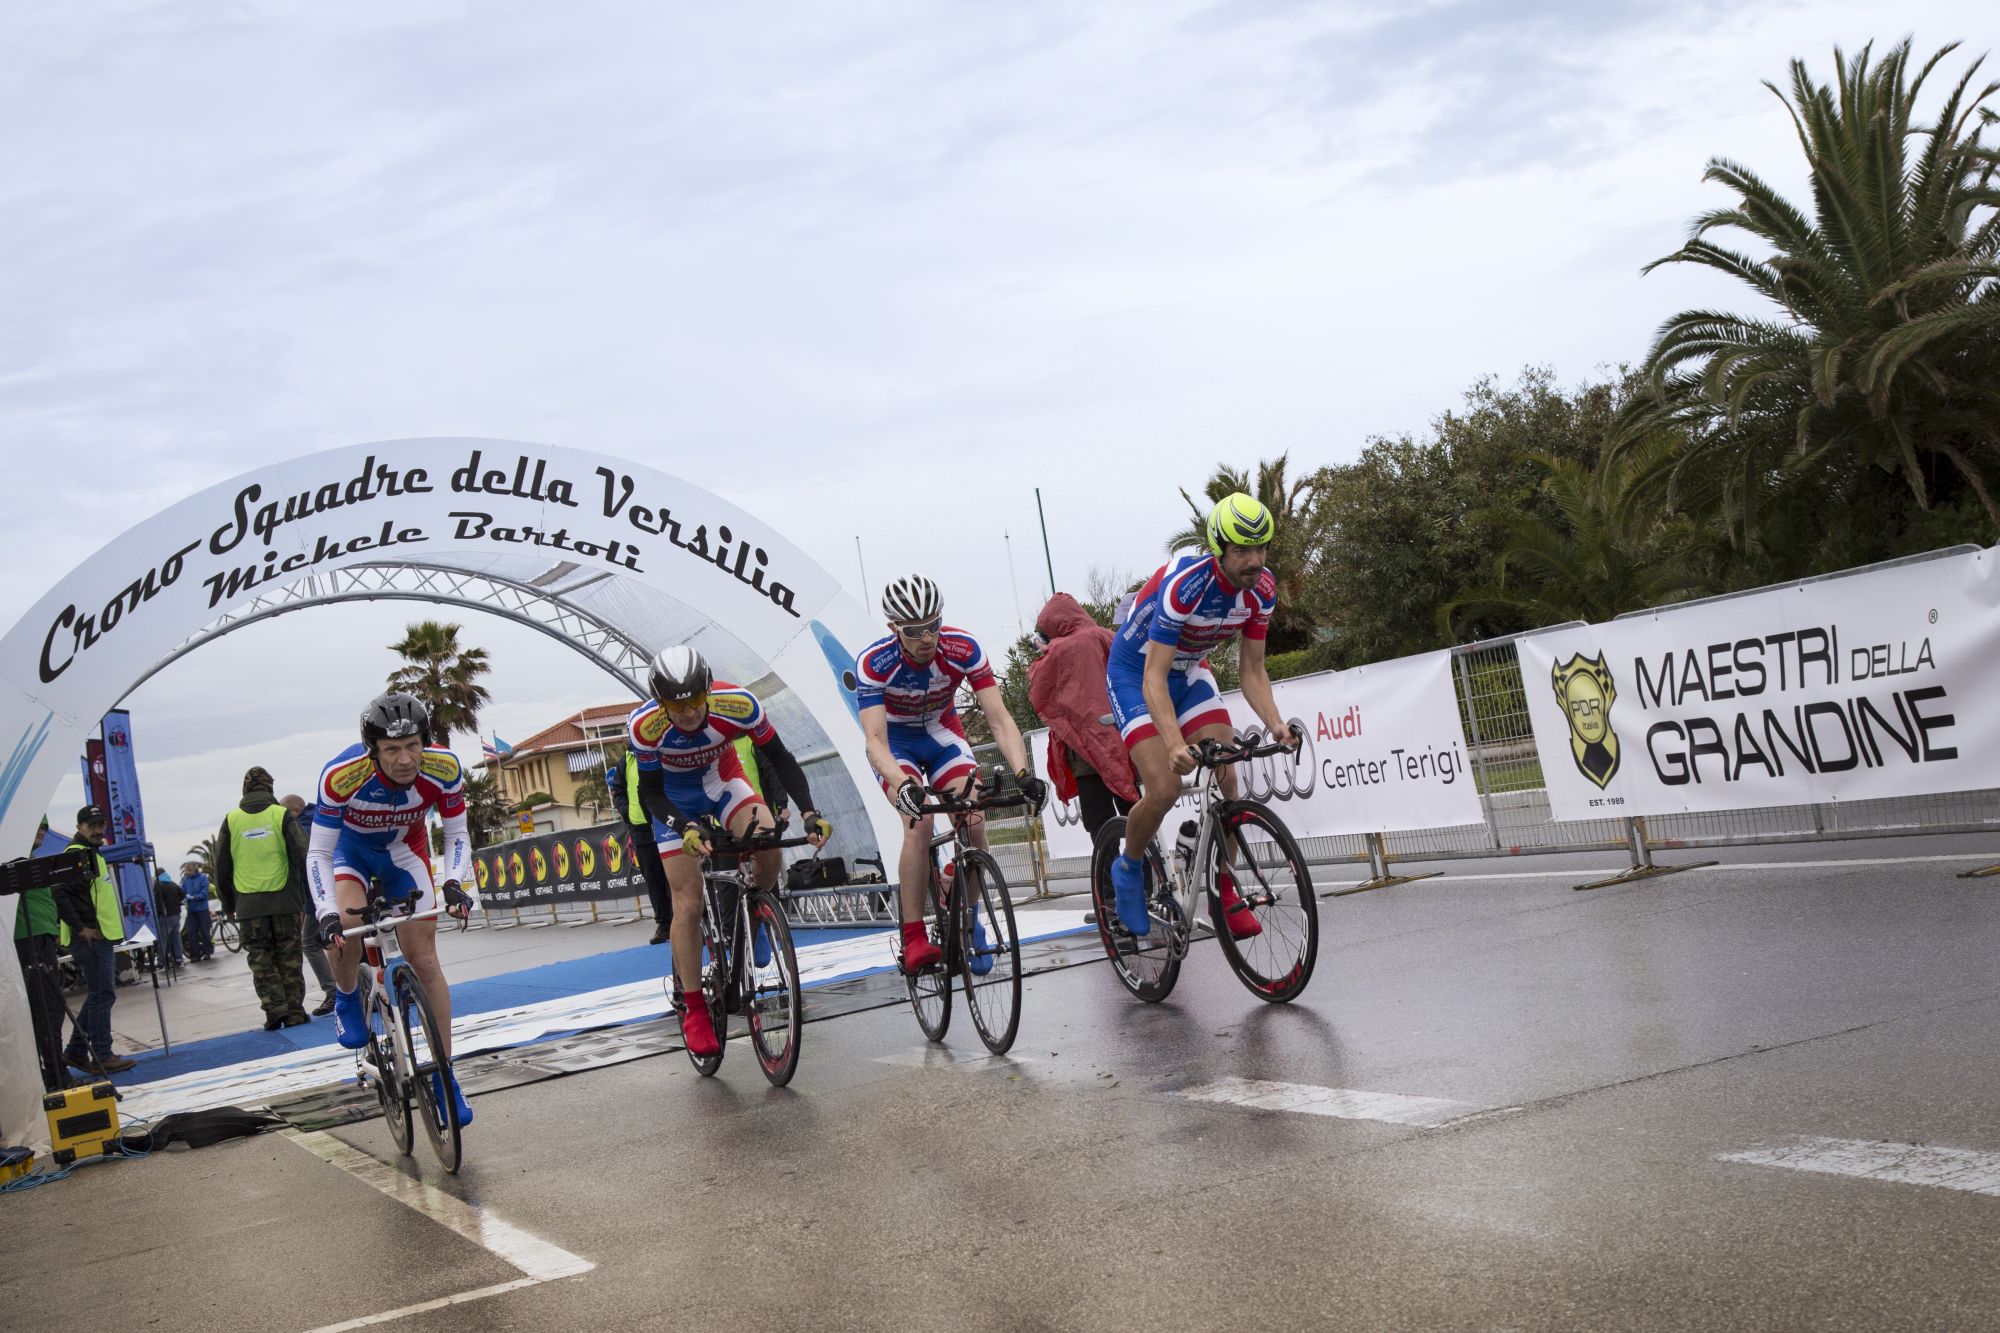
<point>1197,703</point>
<point>403,872</point>
<point>934,755</point>
<point>704,795</point>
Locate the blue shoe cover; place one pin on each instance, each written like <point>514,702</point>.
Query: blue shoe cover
<point>1128,881</point>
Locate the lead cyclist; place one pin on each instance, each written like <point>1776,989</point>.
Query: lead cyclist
<point>370,825</point>
<point>1163,695</point>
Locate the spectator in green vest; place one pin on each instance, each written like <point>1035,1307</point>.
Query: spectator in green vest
<point>260,865</point>
<point>36,926</point>
<point>623,780</point>
<point>92,927</point>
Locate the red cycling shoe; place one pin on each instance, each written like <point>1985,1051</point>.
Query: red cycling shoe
<point>918,951</point>
<point>697,1030</point>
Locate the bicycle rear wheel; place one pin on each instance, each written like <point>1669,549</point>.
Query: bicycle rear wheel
<point>1146,967</point>
<point>988,936</point>
<point>392,1090</point>
<point>930,990</point>
<point>714,976</point>
<point>434,1099</point>
<point>773,1003</point>
<point>226,935</point>
<point>1267,870</point>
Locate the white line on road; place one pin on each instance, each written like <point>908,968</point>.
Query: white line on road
<point>1344,1103</point>
<point>538,1260</point>
<point>1568,872</point>
<point>1904,1163</point>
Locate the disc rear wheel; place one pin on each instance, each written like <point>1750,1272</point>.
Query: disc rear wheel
<point>392,1092</point>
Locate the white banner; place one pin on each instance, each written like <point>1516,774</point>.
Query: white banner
<point>1384,751</point>
<point>1879,684</point>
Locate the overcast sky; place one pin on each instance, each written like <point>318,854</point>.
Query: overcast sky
<point>873,269</point>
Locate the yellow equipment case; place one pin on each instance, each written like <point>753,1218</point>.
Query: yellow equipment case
<point>82,1122</point>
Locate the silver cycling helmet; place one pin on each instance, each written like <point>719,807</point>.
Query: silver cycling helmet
<point>678,674</point>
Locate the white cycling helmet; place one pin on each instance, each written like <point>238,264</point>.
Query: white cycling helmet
<point>911,601</point>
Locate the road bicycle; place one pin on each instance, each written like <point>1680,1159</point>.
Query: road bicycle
<point>971,920</point>
<point>398,1013</point>
<point>1248,842</point>
<point>749,967</point>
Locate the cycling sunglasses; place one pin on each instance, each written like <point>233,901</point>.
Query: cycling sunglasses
<point>926,629</point>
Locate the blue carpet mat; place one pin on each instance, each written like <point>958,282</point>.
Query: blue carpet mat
<point>506,991</point>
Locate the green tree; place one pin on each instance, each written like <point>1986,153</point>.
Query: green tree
<point>1294,552</point>
<point>1414,522</point>
<point>444,676</point>
<point>592,791</point>
<point>1876,357</point>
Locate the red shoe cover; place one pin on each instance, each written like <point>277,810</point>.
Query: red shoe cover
<point>918,951</point>
<point>1242,922</point>
<point>696,1028</point>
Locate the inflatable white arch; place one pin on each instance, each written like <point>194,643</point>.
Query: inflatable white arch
<point>469,501</point>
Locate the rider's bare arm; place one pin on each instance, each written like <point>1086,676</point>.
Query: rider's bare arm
<point>875,731</point>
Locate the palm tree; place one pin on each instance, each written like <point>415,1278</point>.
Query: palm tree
<point>444,676</point>
<point>1881,347</point>
<point>485,808</point>
<point>1292,553</point>
<point>1592,564</point>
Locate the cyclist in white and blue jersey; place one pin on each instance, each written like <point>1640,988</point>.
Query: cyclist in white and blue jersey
<point>370,825</point>
<point>905,690</point>
<point>1163,696</point>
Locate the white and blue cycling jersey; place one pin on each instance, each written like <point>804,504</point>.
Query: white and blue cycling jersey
<point>1189,606</point>
<point>366,827</point>
<point>926,737</point>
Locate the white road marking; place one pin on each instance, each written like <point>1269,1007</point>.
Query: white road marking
<point>923,1057</point>
<point>1904,1163</point>
<point>1344,1103</point>
<point>1568,872</point>
<point>538,1260</point>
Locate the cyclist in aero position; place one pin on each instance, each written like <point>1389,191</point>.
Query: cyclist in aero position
<point>1163,696</point>
<point>370,825</point>
<point>904,688</point>
<point>684,740</point>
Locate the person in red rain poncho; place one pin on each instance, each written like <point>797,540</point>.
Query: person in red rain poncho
<point>1087,761</point>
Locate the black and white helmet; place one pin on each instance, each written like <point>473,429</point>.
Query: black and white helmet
<point>911,601</point>
<point>678,674</point>
<point>393,716</point>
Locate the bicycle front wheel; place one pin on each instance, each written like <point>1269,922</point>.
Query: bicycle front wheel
<point>772,1000</point>
<point>1146,967</point>
<point>430,1071</point>
<point>989,951</point>
<point>1271,934</point>
<point>930,989</point>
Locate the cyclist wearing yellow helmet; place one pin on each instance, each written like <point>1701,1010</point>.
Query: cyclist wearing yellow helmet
<point>1163,696</point>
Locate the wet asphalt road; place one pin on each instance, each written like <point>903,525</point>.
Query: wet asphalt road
<point>1603,1053</point>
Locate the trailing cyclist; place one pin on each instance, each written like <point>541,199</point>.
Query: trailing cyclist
<point>1163,695</point>
<point>905,686</point>
<point>370,824</point>
<point>689,771</point>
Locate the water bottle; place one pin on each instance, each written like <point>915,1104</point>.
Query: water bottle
<point>1184,847</point>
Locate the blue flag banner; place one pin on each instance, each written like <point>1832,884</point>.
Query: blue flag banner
<point>125,834</point>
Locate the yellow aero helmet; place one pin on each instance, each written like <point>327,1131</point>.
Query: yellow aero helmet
<point>1240,520</point>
